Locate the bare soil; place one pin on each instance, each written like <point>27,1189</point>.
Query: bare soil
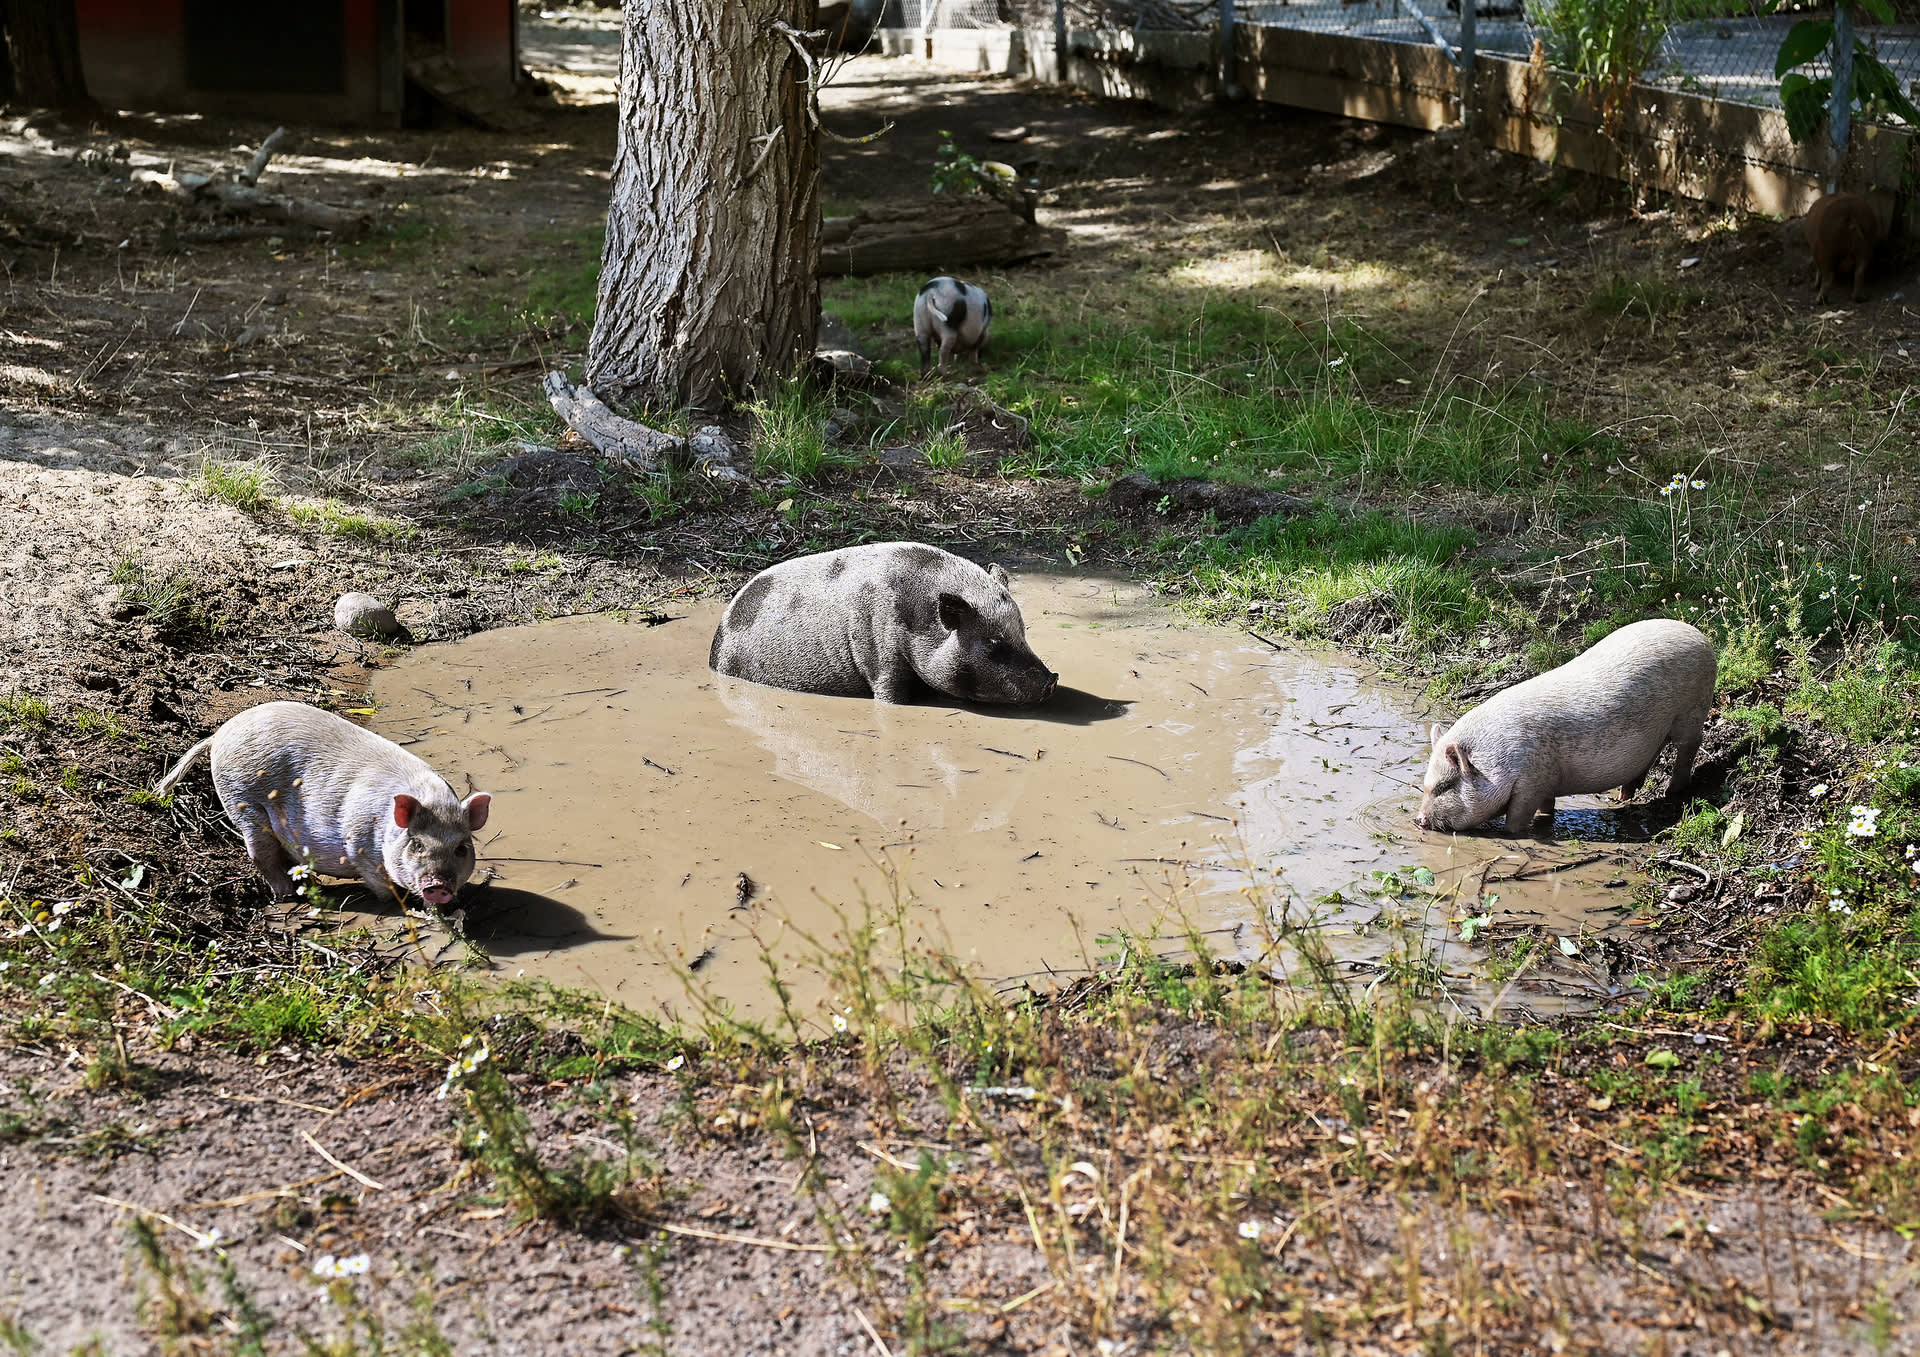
<point>135,342</point>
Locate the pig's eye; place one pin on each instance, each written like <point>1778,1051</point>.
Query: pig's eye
<point>1000,652</point>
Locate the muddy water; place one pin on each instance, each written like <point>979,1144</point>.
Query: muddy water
<point>653,820</point>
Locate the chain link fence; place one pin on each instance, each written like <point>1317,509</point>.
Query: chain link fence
<point>1722,49</point>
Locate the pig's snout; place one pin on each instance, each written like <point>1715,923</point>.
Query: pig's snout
<point>436,893</point>
<point>1053,686</point>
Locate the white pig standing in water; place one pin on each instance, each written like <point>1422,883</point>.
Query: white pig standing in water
<point>953,315</point>
<point>304,786</point>
<point>1597,722</point>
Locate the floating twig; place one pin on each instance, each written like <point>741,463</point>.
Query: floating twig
<point>1530,871</point>
<point>1124,759</point>
<point>549,862</point>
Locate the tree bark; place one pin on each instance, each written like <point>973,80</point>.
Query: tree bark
<point>42,52</point>
<point>707,286</point>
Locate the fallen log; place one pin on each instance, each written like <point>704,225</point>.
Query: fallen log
<point>933,237</point>
<point>240,195</point>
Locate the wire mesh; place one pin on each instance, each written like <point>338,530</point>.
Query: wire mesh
<point>1724,49</point>
<point>923,15</point>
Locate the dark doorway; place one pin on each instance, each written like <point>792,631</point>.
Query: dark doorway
<point>285,48</point>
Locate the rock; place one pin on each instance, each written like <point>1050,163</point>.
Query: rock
<point>713,453</point>
<point>710,443</point>
<point>367,617</point>
<point>991,428</point>
<point>834,335</point>
<point>842,425</point>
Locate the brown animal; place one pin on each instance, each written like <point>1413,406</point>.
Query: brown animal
<point>1841,231</point>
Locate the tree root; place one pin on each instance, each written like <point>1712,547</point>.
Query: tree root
<point>636,445</point>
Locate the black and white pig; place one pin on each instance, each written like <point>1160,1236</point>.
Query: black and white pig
<point>885,620</point>
<point>953,315</point>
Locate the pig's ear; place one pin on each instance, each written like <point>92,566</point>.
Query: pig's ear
<point>1434,733</point>
<point>999,574</point>
<point>1457,756</point>
<point>956,612</point>
<point>403,808</point>
<point>477,806</point>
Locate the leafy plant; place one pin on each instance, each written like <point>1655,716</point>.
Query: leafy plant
<point>1876,90</point>
<point>954,171</point>
<point>1606,43</point>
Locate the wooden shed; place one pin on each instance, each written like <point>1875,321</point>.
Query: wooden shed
<point>313,61</point>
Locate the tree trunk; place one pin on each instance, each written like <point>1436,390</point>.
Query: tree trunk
<point>707,286</point>
<point>43,55</point>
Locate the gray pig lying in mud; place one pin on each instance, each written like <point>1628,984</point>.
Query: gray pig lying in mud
<point>1597,722</point>
<point>886,620</point>
<point>308,788</point>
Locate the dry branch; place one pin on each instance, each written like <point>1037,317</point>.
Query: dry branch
<point>238,195</point>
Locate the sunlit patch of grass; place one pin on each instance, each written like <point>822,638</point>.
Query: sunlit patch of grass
<point>945,451</point>
<point>1307,566</point>
<point>336,520</point>
<point>247,486</point>
<point>24,709</point>
<point>170,596</point>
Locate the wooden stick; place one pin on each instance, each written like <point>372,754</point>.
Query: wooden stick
<point>697,1233</point>
<point>878,1343</point>
<point>201,1239</point>
<point>355,1174</point>
<point>258,165</point>
<point>282,1102</point>
<point>253,1197</point>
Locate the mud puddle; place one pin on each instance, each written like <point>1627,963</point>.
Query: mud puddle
<point>655,823</point>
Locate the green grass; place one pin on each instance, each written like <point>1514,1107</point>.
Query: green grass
<point>945,451</point>
<point>561,284</point>
<point>24,709</point>
<point>244,485</point>
<point>1311,564</point>
<point>336,520</point>
<point>789,434</point>
<point>1648,298</point>
<point>170,595</point>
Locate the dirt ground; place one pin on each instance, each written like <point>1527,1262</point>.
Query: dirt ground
<point>138,341</point>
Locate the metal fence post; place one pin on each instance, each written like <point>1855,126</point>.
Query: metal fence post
<point>1840,111</point>
<point>1469,15</point>
<point>1060,40</point>
<point>1229,59</point>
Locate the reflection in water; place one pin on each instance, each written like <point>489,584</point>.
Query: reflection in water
<point>650,813</point>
